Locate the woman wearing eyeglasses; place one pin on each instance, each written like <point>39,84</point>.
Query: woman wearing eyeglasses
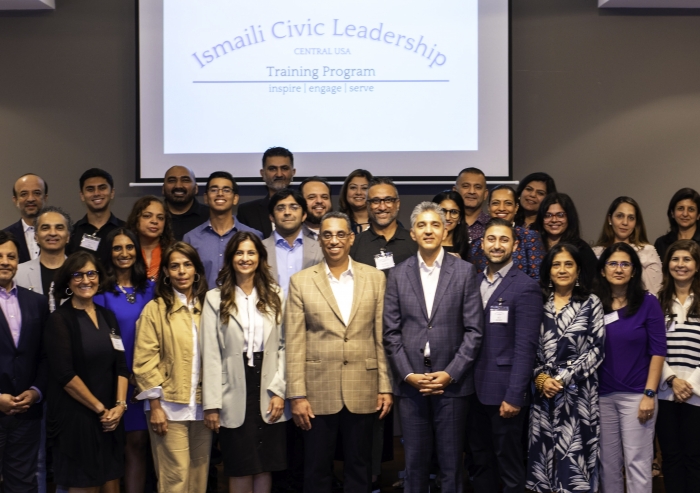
<point>683,214</point>
<point>635,348</point>
<point>557,222</point>
<point>679,393</point>
<point>353,199</point>
<point>457,240</point>
<point>87,382</point>
<point>168,371</point>
<point>531,192</point>
<point>150,220</point>
<point>624,223</point>
<point>127,291</point>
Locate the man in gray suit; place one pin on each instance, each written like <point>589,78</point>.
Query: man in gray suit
<point>433,326</point>
<point>291,247</point>
<point>53,229</point>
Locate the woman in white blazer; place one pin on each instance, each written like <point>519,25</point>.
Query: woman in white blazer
<point>244,363</point>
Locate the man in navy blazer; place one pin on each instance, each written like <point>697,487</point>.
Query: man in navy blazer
<point>29,193</point>
<point>23,373</point>
<point>513,310</point>
<point>433,325</point>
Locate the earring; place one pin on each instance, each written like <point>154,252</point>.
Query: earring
<point>166,280</point>
<point>551,284</point>
<point>577,284</point>
<point>69,292</point>
<point>197,277</point>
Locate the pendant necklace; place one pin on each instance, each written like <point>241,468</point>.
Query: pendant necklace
<point>130,297</point>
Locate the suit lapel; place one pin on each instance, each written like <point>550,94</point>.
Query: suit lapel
<point>357,290</point>
<point>26,316</point>
<point>324,288</point>
<point>414,277</point>
<point>443,282</point>
<point>5,329</point>
<point>272,256</point>
<point>505,282</point>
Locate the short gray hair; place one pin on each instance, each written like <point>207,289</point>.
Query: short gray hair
<point>57,210</point>
<point>425,207</point>
<point>338,215</point>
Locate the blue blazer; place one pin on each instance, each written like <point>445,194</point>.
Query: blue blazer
<point>18,231</point>
<point>25,365</point>
<point>454,329</point>
<point>503,369</point>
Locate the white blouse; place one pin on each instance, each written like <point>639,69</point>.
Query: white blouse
<point>252,322</point>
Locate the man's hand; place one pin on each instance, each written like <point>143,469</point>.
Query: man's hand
<point>211,420</point>
<point>302,413</point>
<point>275,408</point>
<point>7,404</point>
<point>418,380</point>
<point>508,411</point>
<point>384,402</point>
<point>25,400</point>
<point>438,381</point>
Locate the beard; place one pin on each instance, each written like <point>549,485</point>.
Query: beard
<point>276,185</point>
<point>173,199</point>
<point>382,222</point>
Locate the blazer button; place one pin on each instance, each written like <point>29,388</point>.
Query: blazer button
<point>345,362</point>
<point>430,326</point>
<point>346,339</point>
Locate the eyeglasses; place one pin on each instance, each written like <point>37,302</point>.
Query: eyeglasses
<point>216,190</point>
<point>291,207</point>
<point>341,235</point>
<point>91,275</point>
<point>450,212</point>
<point>558,215</point>
<point>619,265</point>
<point>386,200</point>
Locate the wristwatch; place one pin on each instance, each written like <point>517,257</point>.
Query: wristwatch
<point>669,380</point>
<point>122,403</point>
<point>649,393</point>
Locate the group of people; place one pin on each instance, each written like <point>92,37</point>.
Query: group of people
<point>291,334</point>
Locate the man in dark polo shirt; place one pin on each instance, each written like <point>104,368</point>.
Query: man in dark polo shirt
<point>180,191</point>
<point>386,243</point>
<point>96,192</point>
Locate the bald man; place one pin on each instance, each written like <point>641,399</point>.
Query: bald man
<point>180,192</point>
<point>29,193</point>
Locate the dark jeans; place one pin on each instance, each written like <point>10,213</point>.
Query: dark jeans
<point>19,449</point>
<point>678,431</point>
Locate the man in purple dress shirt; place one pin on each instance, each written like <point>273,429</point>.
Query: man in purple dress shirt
<point>23,373</point>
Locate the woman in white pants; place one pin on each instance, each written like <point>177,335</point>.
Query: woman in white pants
<point>635,348</point>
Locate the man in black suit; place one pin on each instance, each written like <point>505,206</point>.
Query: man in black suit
<point>29,193</point>
<point>277,173</point>
<point>23,373</point>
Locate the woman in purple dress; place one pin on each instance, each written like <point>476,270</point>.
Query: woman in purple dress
<point>127,290</point>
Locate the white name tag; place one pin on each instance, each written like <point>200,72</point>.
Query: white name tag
<point>90,242</point>
<point>383,261</point>
<point>499,315</point>
<point>117,342</point>
<point>611,317</point>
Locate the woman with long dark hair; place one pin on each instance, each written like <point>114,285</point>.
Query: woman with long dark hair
<point>151,222</point>
<point>353,199</point>
<point>683,214</point>
<point>168,371</point>
<point>127,291</point>
<point>244,353</point>
<point>565,407</point>
<point>635,348</point>
<point>457,240</point>
<point>530,192</point>
<point>678,423</point>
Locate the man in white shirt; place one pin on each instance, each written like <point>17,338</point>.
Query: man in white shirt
<point>29,193</point>
<point>337,375</point>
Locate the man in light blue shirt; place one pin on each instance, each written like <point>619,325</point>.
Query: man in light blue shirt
<point>210,239</point>
<point>291,247</point>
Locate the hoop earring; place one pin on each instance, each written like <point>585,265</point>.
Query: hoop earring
<point>197,277</point>
<point>166,280</point>
<point>69,292</point>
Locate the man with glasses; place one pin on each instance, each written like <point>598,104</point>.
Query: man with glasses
<point>317,193</point>
<point>386,243</point>
<point>180,193</point>
<point>210,238</point>
<point>291,247</point>
<point>277,173</point>
<point>337,375</point>
<point>29,193</point>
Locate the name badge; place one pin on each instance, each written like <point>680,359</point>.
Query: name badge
<point>90,242</point>
<point>117,342</point>
<point>384,260</point>
<point>499,315</point>
<point>610,318</point>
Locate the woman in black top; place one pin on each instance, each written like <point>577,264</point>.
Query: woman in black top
<point>683,217</point>
<point>457,241</point>
<point>557,222</point>
<point>87,383</point>
<point>353,199</point>
<point>531,191</point>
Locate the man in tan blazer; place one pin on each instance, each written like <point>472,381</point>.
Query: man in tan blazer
<point>337,375</point>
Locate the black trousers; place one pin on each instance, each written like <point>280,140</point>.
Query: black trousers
<point>496,446</point>
<point>678,431</point>
<point>319,450</point>
<point>19,449</point>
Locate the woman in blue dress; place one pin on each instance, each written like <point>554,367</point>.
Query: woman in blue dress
<point>127,290</point>
<point>564,417</point>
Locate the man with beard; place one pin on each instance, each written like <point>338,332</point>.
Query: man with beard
<point>96,192</point>
<point>29,193</point>
<point>471,185</point>
<point>386,243</point>
<point>277,173</point>
<point>317,193</point>
<point>180,191</point>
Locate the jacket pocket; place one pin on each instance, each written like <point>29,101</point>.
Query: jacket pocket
<point>371,364</point>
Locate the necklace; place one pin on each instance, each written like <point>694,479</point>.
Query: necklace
<point>130,297</point>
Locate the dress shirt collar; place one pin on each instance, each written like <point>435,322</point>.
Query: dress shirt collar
<point>183,299</point>
<point>500,274</point>
<point>26,227</point>
<point>348,273</point>
<point>436,265</point>
<point>681,309</point>
<point>279,241</point>
<point>8,293</point>
<point>253,294</point>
